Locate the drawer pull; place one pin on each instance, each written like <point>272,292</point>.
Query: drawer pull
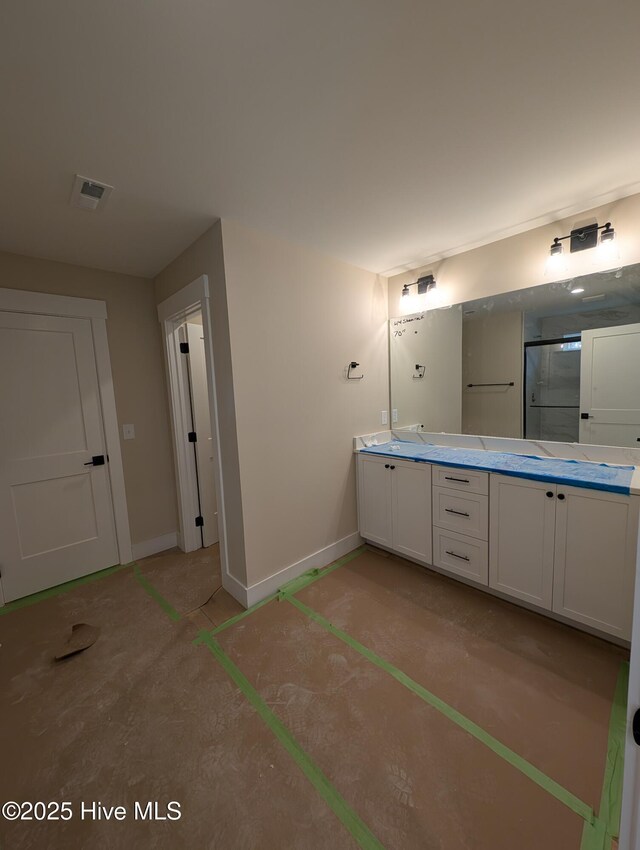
<point>454,555</point>
<point>457,513</point>
<point>461,480</point>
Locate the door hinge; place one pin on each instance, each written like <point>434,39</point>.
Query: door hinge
<point>199,521</point>
<point>192,436</point>
<point>184,348</point>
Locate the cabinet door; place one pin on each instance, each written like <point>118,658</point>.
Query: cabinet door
<point>595,553</point>
<point>411,509</point>
<point>374,499</point>
<point>521,538</point>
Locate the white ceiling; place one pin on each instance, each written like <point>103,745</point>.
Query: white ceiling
<point>383,133</point>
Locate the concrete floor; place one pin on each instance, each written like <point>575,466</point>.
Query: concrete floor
<point>280,733</point>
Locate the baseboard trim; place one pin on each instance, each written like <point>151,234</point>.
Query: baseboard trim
<point>235,588</point>
<point>261,589</point>
<point>152,547</point>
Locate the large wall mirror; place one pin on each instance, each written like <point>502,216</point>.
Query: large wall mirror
<point>558,362</point>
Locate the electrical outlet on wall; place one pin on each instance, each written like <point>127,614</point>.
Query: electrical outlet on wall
<point>394,418</point>
<point>384,417</point>
<point>128,432</point>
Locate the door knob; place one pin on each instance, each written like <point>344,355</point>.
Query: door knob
<point>96,460</point>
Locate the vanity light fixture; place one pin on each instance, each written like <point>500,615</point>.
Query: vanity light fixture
<point>425,284</point>
<point>581,239</point>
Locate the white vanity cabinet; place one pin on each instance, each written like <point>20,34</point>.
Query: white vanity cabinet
<point>567,549</point>
<point>461,522</point>
<point>595,558</point>
<point>394,505</point>
<point>521,538</point>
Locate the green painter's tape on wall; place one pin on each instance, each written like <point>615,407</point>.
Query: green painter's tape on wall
<point>551,786</point>
<point>351,820</point>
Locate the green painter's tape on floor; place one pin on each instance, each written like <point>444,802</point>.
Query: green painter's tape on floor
<point>233,620</point>
<point>594,836</point>
<point>167,607</point>
<point>551,786</point>
<point>351,820</point>
<point>611,800</point>
<point>310,576</point>
<point>293,586</point>
<point>59,589</point>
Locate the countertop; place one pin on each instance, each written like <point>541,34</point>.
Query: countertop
<point>613,478</point>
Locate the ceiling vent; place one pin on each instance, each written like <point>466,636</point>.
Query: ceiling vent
<point>89,194</point>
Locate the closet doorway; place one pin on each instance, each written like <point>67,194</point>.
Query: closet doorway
<point>200,435</point>
<point>186,326</point>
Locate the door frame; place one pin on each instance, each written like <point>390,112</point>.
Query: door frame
<point>172,313</point>
<point>67,306</point>
<point>630,815</point>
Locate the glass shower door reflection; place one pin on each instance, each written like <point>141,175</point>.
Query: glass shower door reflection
<point>552,390</point>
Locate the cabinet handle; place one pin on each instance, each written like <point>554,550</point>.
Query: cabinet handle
<point>462,557</point>
<point>461,480</point>
<point>458,513</point>
<point>636,727</point>
<point>561,496</point>
<point>549,494</point>
<point>393,467</point>
<point>386,466</point>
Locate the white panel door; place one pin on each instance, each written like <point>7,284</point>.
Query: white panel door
<point>595,558</point>
<point>204,445</point>
<point>56,513</point>
<point>521,538</point>
<point>411,509</point>
<point>630,820</point>
<point>374,499</point>
<point>610,386</point>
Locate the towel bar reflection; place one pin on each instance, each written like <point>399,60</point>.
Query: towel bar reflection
<point>503,384</point>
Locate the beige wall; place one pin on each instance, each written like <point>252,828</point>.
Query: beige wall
<point>205,256</point>
<point>136,360</point>
<point>492,351</point>
<point>296,319</point>
<point>519,261</point>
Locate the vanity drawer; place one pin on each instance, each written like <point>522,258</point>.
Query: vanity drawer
<point>461,479</point>
<point>467,513</point>
<point>462,555</point>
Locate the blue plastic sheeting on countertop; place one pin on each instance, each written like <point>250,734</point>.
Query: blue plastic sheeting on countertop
<point>577,473</point>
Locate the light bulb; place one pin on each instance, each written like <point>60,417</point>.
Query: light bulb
<point>556,262</point>
<point>607,253</point>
